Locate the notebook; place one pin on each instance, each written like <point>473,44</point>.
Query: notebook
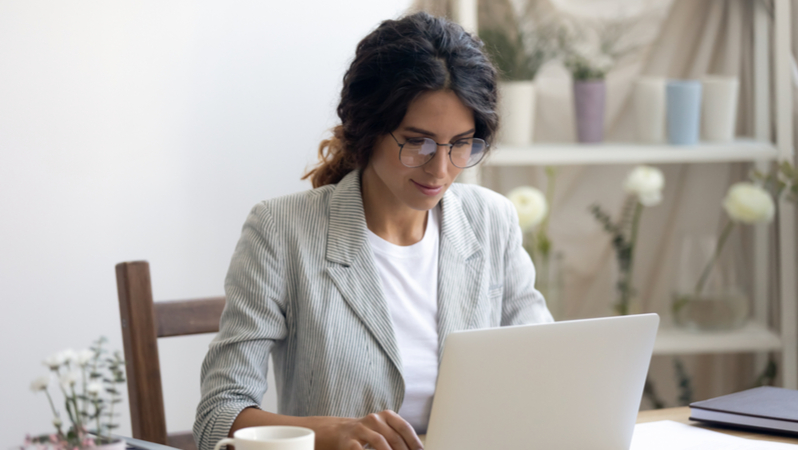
<point>762,408</point>
<point>566,385</point>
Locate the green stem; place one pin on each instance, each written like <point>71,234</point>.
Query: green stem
<point>551,188</point>
<point>625,300</point>
<point>97,412</point>
<point>83,380</point>
<point>79,423</point>
<point>707,271</point>
<point>66,399</point>
<point>55,413</point>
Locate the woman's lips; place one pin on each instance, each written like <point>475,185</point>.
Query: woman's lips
<point>428,190</point>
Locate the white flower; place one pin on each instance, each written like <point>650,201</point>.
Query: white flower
<point>57,422</point>
<point>54,361</point>
<point>84,357</point>
<point>531,206</point>
<point>645,182</point>
<point>68,379</point>
<point>69,355</point>
<point>749,203</point>
<point>94,389</point>
<point>40,383</point>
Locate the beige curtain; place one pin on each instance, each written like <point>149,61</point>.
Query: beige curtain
<point>682,39</point>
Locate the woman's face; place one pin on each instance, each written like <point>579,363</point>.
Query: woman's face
<point>438,115</point>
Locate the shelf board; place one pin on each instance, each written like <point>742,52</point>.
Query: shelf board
<point>751,337</point>
<point>631,153</point>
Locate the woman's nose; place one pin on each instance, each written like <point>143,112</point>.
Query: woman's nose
<point>439,164</point>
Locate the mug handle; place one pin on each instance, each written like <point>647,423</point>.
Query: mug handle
<point>222,442</point>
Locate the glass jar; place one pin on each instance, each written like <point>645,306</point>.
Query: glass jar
<point>709,295</point>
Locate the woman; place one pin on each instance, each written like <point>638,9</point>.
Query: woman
<point>353,286</point>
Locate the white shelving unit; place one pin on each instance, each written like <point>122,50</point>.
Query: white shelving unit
<point>755,335</point>
<point>752,337</point>
<point>629,153</point>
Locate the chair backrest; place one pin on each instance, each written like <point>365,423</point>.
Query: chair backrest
<point>143,322</point>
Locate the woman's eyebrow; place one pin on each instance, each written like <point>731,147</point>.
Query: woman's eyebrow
<point>428,133</point>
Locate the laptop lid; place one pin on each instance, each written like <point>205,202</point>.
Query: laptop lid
<point>566,385</point>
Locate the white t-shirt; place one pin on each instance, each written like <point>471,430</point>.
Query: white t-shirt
<point>410,282</point>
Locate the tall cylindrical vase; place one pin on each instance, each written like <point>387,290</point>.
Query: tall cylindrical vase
<point>720,98</point>
<point>683,111</point>
<point>650,109</point>
<point>590,106</point>
<point>517,112</point>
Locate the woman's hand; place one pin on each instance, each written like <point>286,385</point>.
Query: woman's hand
<point>385,430</point>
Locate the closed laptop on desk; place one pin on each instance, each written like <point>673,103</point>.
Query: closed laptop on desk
<point>564,385</point>
<point>762,408</point>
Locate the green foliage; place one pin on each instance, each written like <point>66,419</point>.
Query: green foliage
<point>685,389</point>
<point>583,70</point>
<point>509,55</point>
<point>768,375</point>
<point>623,240</point>
<point>780,180</point>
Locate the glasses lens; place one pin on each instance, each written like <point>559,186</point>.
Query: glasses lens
<point>416,152</point>
<point>467,152</point>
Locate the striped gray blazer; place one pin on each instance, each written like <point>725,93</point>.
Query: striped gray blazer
<point>303,286</point>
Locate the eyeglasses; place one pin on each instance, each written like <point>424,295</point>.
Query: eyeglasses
<point>464,153</point>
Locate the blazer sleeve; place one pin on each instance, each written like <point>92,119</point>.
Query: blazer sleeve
<point>234,372</point>
<point>522,303</point>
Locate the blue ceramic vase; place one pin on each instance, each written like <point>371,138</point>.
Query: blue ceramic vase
<point>683,111</point>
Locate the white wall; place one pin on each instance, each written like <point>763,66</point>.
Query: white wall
<point>147,130</point>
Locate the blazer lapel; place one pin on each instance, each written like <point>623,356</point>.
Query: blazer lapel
<point>460,275</point>
<point>354,272</point>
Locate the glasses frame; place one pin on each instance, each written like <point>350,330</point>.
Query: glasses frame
<point>449,152</point>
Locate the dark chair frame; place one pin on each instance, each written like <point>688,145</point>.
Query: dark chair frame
<point>143,322</point>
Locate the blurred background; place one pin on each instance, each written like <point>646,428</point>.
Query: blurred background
<point>147,130</point>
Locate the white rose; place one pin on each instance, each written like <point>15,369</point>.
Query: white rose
<point>54,361</point>
<point>68,379</point>
<point>645,182</point>
<point>84,357</point>
<point>749,203</point>
<point>94,389</point>
<point>531,206</point>
<point>40,383</point>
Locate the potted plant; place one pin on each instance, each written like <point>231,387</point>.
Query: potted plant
<point>88,381</point>
<point>589,51</point>
<point>519,46</point>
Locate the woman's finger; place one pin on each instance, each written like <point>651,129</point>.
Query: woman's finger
<point>404,429</point>
<point>372,438</point>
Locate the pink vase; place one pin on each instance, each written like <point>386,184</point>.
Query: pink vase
<point>590,105</point>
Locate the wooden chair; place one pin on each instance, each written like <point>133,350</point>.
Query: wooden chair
<point>143,322</point>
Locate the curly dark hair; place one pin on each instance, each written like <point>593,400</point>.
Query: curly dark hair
<point>393,65</point>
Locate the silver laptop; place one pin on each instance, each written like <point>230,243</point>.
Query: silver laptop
<point>564,385</point>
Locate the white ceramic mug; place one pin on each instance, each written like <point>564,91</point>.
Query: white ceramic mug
<point>270,438</point>
<point>720,101</point>
<point>650,105</point>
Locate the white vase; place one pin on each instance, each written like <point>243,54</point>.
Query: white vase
<point>720,100</point>
<point>650,109</point>
<point>517,106</point>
